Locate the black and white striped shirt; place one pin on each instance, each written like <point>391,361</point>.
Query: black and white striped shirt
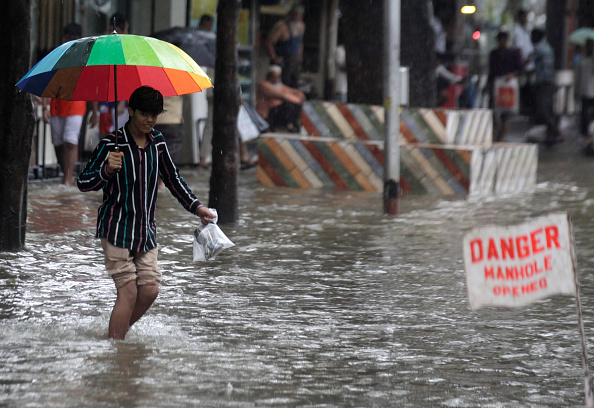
<point>127,216</point>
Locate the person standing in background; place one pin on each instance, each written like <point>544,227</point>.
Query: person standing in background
<point>439,33</point>
<point>171,125</point>
<point>66,119</point>
<point>521,39</point>
<point>503,63</point>
<point>285,45</point>
<point>206,24</point>
<point>544,86</point>
<point>584,86</point>
<point>341,84</point>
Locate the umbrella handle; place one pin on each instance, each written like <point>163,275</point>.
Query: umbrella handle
<point>115,94</point>
<point>116,150</point>
<point>115,111</point>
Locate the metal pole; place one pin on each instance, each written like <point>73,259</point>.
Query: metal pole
<point>115,91</point>
<point>44,147</point>
<point>391,106</point>
<point>587,382</point>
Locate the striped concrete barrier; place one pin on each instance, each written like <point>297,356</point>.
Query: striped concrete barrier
<point>466,127</point>
<point>319,162</point>
<point>442,152</point>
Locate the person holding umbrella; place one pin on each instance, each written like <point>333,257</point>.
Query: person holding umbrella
<point>87,70</point>
<point>129,178</point>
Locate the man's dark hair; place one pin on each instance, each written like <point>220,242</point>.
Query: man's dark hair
<point>73,30</point>
<point>502,35</point>
<point>146,99</point>
<point>206,18</point>
<point>537,35</point>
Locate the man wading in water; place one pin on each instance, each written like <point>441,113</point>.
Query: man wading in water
<point>126,219</point>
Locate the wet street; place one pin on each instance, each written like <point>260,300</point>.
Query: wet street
<point>323,302</point>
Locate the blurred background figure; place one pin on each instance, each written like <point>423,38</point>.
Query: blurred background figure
<point>444,78</point>
<point>66,119</point>
<point>544,86</point>
<point>278,104</point>
<point>285,45</point>
<point>584,85</point>
<point>341,84</point>
<point>504,63</point>
<point>170,123</point>
<point>521,39</point>
<point>206,23</point>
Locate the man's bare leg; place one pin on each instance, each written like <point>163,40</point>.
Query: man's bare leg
<point>145,297</point>
<point>60,156</point>
<point>122,311</point>
<point>70,155</point>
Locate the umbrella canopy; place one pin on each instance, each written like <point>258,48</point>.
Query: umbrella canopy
<point>198,44</point>
<point>83,69</point>
<point>581,35</point>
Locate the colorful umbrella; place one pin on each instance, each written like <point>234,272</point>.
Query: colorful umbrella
<point>110,66</point>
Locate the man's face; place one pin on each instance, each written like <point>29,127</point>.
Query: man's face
<point>143,121</point>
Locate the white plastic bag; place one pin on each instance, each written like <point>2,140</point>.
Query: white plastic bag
<point>209,240</point>
<point>247,129</point>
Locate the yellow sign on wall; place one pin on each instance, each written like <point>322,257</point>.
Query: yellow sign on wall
<point>201,7</point>
<point>243,27</point>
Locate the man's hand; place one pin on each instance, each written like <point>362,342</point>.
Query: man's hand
<point>114,162</point>
<point>46,114</point>
<point>94,119</point>
<point>206,216</point>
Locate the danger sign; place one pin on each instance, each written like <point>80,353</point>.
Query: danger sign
<point>515,266</point>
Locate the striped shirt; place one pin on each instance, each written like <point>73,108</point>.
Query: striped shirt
<point>127,216</point>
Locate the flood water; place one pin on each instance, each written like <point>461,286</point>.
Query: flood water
<point>323,302</point>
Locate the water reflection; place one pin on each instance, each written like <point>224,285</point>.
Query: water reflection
<point>322,302</point>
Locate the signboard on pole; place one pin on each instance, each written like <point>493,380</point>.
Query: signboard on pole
<point>513,266</point>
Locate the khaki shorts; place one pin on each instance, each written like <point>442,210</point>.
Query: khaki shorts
<point>126,266</point>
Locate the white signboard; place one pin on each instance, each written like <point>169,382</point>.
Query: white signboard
<point>515,266</point>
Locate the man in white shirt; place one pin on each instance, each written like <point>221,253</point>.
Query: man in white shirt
<point>522,41</point>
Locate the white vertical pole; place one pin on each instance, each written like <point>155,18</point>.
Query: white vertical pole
<point>391,106</point>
